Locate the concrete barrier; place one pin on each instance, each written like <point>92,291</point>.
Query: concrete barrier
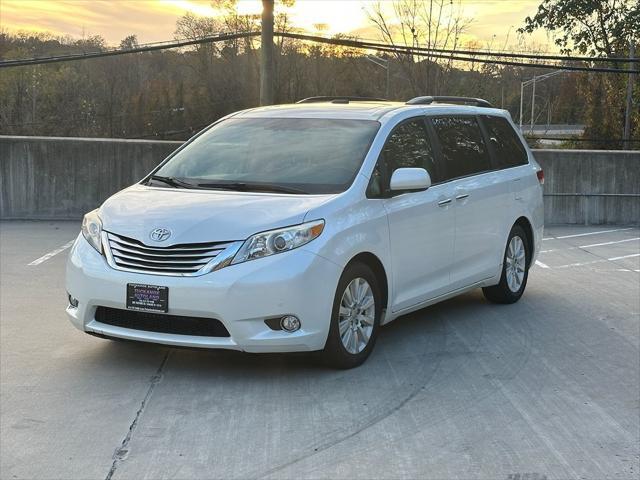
<point>591,187</point>
<point>62,178</point>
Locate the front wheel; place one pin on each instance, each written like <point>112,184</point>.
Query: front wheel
<point>515,269</point>
<point>355,318</point>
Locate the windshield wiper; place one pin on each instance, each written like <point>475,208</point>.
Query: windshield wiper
<point>252,187</point>
<point>171,181</point>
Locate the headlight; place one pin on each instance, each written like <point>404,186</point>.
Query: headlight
<point>92,230</point>
<point>278,241</point>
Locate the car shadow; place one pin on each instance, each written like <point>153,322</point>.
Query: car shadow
<point>406,335</point>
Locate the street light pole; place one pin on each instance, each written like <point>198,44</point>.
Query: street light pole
<point>381,62</point>
<point>533,103</point>
<point>533,81</point>
<point>627,117</point>
<point>386,95</point>
<point>521,93</point>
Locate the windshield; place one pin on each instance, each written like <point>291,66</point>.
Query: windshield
<point>291,155</point>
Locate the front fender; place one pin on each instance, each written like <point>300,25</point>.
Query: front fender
<point>352,229</point>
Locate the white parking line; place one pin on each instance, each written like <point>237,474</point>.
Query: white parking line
<point>588,233</point>
<point>609,243</point>
<point>624,256</point>
<point>541,265</point>
<point>588,246</point>
<point>52,253</point>
<point>580,264</point>
<point>612,259</point>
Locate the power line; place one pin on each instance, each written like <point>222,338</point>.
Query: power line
<point>504,53</point>
<point>528,51</point>
<point>142,48</point>
<point>167,44</point>
<point>380,47</point>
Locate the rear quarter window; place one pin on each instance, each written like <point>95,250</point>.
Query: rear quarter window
<point>463,149</point>
<point>505,143</point>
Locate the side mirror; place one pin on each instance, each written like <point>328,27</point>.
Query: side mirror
<point>404,179</point>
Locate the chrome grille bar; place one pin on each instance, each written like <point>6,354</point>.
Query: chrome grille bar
<point>169,259</point>
<point>195,247</point>
<point>124,253</point>
<point>140,266</point>
<point>118,246</point>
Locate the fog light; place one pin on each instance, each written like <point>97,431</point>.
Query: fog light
<point>72,301</point>
<point>289,323</point>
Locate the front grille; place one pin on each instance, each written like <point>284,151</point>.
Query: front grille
<point>182,259</point>
<point>161,323</point>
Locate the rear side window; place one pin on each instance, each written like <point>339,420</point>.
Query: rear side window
<point>463,149</point>
<point>507,147</point>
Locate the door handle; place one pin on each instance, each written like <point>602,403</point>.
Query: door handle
<point>445,202</point>
<point>462,197</point>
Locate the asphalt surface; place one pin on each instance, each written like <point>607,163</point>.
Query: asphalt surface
<point>546,388</point>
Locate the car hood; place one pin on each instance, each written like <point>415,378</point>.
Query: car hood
<point>198,216</point>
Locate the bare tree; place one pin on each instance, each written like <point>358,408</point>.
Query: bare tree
<point>422,24</point>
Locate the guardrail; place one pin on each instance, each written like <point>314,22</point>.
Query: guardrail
<point>43,178</point>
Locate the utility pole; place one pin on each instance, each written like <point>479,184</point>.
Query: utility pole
<point>629,110</point>
<point>266,54</point>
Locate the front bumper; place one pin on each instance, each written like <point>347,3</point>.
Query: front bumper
<point>241,296</point>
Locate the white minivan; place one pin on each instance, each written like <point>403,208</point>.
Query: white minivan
<point>306,227</point>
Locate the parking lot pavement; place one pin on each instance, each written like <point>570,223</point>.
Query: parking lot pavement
<point>546,388</point>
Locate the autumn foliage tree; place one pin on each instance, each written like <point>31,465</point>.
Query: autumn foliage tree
<point>602,28</point>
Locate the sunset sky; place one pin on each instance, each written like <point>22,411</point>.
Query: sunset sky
<point>494,21</point>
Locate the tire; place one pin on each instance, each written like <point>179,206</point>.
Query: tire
<point>335,353</point>
<point>515,269</point>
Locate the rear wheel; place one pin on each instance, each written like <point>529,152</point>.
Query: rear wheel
<point>355,318</point>
<point>515,269</point>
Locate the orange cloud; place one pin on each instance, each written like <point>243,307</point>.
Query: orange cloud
<point>494,21</point>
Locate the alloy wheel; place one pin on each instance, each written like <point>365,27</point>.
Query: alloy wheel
<point>515,263</point>
<point>357,315</point>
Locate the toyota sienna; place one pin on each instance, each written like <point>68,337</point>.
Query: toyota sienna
<point>306,227</point>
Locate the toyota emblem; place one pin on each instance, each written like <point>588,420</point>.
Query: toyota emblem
<point>160,234</point>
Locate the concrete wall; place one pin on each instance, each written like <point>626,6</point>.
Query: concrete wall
<point>591,187</point>
<point>62,178</point>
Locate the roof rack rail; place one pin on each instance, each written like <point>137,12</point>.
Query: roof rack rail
<point>341,99</point>
<point>478,102</point>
